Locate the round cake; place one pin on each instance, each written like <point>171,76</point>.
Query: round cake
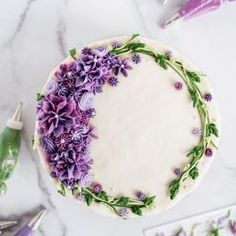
<point>127,126</point>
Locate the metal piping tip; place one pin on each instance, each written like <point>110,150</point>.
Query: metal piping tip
<point>6,224</point>
<point>35,222</point>
<point>18,112</point>
<point>172,21</point>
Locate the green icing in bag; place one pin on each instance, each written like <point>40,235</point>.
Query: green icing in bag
<point>10,139</point>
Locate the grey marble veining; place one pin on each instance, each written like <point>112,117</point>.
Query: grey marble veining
<point>36,34</point>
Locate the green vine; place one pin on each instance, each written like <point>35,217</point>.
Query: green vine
<point>191,79</point>
<point>115,204</point>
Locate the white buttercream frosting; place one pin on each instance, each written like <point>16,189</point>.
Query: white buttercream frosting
<point>145,129</point>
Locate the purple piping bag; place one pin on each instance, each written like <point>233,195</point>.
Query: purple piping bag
<point>194,8</point>
<point>28,229</point>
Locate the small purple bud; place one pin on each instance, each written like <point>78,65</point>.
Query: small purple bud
<point>197,132</point>
<point>97,188</point>
<point>124,212</point>
<point>208,152</point>
<point>178,85</point>
<point>169,54</point>
<point>136,58</point>
<point>141,195</point>
<point>208,97</point>
<point>178,171</point>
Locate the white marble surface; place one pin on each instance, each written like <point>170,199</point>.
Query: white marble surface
<point>36,34</point>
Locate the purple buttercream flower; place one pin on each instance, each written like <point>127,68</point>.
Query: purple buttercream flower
<point>91,112</point>
<point>141,195</point>
<point>178,85</point>
<point>86,51</point>
<point>48,144</point>
<point>124,212</point>
<point>208,97</point>
<point>86,180</point>
<point>116,44</point>
<point>197,132</point>
<point>62,141</point>
<point>80,197</point>
<point>86,101</point>
<point>97,188</point>
<point>208,152</point>
<point>178,171</point>
<point>56,114</point>
<point>169,54</point>
<point>121,67</point>
<point>136,58</point>
<point>233,227</point>
<point>52,87</point>
<point>113,81</point>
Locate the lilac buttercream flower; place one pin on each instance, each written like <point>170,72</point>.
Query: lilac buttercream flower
<point>141,195</point>
<point>136,58</point>
<point>197,132</point>
<point>86,180</point>
<point>121,67</point>
<point>52,87</point>
<point>86,51</point>
<point>80,197</point>
<point>86,101</point>
<point>116,44</point>
<point>56,114</point>
<point>97,188</point>
<point>62,141</point>
<point>169,54</point>
<point>113,81</point>
<point>48,144</point>
<point>208,152</point>
<point>178,171</point>
<point>208,97</point>
<point>178,85</point>
<point>124,212</point>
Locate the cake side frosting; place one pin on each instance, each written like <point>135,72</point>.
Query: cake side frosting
<point>101,104</point>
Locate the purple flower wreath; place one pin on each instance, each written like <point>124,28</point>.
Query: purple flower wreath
<point>64,114</point>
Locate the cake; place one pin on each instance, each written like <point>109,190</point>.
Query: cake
<point>126,126</point>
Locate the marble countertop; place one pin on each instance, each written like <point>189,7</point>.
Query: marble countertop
<point>36,34</point>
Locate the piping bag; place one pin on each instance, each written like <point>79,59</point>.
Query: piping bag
<point>29,228</point>
<point>9,148</point>
<point>194,8</point>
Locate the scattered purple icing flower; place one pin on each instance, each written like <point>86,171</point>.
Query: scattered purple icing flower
<point>124,212</point>
<point>141,195</point>
<point>208,152</point>
<point>208,97</point>
<point>197,132</point>
<point>56,114</point>
<point>178,171</point>
<point>169,54</point>
<point>86,101</point>
<point>80,197</point>
<point>86,180</point>
<point>136,58</point>
<point>91,112</point>
<point>233,227</point>
<point>122,67</point>
<point>178,85</point>
<point>116,44</point>
<point>113,81</point>
<point>97,188</point>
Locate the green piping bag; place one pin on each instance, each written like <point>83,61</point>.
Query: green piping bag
<point>9,148</point>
